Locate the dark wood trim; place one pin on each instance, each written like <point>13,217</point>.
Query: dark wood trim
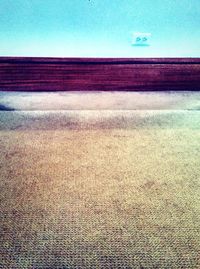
<point>50,60</point>
<point>131,74</point>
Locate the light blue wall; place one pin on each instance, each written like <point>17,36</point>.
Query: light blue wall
<point>99,28</point>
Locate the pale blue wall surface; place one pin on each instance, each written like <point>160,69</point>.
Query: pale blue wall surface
<point>99,28</point>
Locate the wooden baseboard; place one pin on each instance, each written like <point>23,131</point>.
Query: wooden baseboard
<point>87,74</point>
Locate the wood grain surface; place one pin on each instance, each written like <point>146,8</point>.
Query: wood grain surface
<point>85,74</point>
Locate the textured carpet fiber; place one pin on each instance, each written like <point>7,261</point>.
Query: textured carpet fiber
<point>100,189</point>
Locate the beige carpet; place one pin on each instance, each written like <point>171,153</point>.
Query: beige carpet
<point>100,189</point>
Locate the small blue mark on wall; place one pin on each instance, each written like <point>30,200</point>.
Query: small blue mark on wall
<point>141,39</point>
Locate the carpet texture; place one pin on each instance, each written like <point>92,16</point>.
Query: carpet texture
<point>100,189</point>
